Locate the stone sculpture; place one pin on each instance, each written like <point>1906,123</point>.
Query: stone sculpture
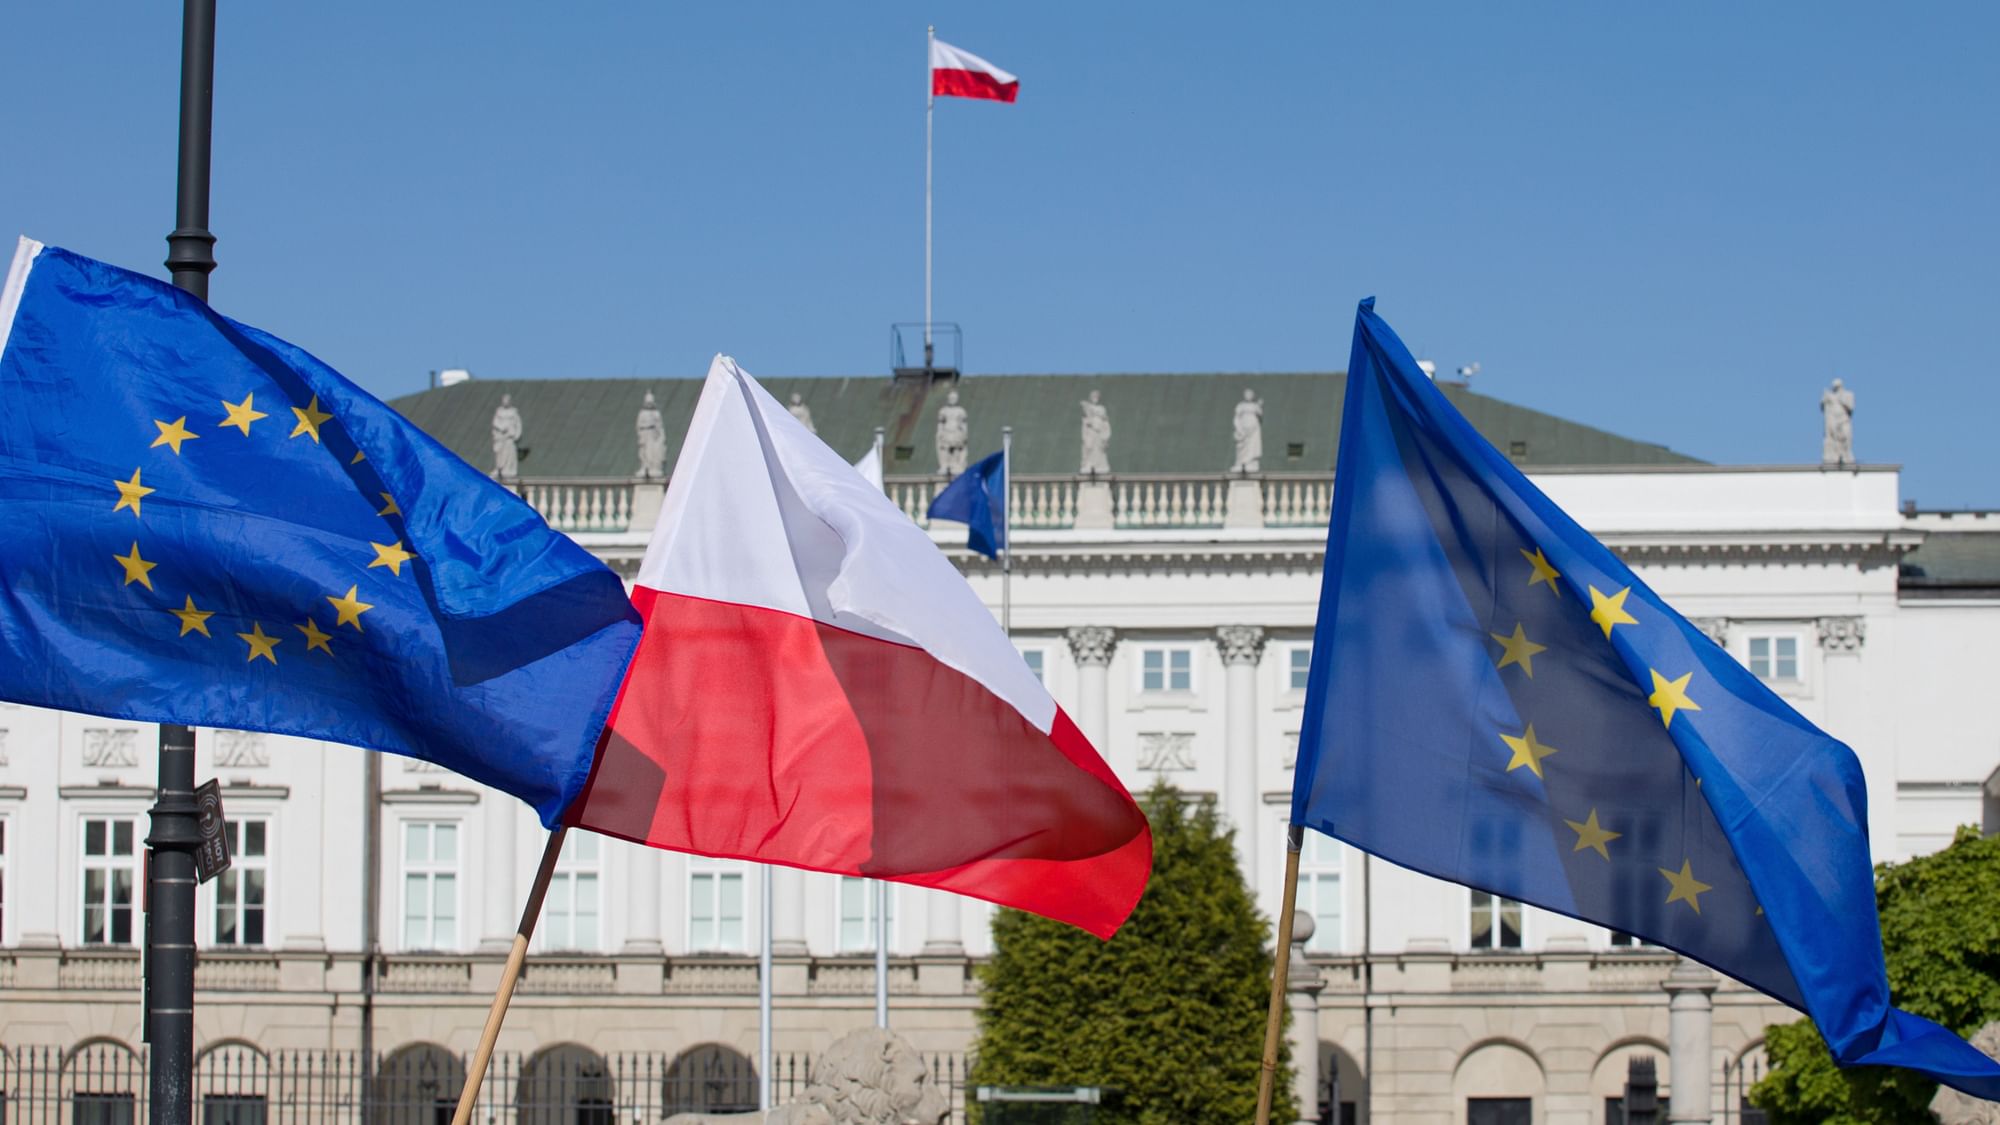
<point>652,441</point>
<point>868,1077</point>
<point>506,440</point>
<point>1836,407</point>
<point>1954,1108</point>
<point>1249,426</point>
<point>952,433</point>
<point>802,412</point>
<point>1096,435</point>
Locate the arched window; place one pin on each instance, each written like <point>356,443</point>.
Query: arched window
<point>233,1080</point>
<point>565,1085</point>
<point>711,1078</point>
<point>418,1085</point>
<point>101,1079</point>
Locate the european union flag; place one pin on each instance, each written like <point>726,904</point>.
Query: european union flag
<point>978,499</point>
<point>206,525</point>
<point>1495,699</point>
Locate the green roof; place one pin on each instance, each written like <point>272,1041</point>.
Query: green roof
<point>1160,423</point>
<point>1947,561</point>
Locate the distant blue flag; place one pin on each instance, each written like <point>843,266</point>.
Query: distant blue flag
<point>1496,700</point>
<point>206,525</point>
<point>978,499</point>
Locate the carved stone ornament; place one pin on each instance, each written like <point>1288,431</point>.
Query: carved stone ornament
<point>507,439</point>
<point>868,1077</point>
<point>1092,644</point>
<point>650,430</point>
<point>240,749</point>
<point>1166,751</point>
<point>1714,628</point>
<point>1836,408</point>
<point>1240,644</point>
<point>1842,634</point>
<point>1954,1108</point>
<point>107,748</point>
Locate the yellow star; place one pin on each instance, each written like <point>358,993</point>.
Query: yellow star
<point>136,568</point>
<point>389,506</point>
<point>314,638</point>
<point>130,492</point>
<point>309,420</point>
<point>193,620</point>
<point>1518,649</point>
<point>358,458</point>
<point>241,414</point>
<point>1590,834</point>
<point>173,433</point>
<point>1671,696</point>
<point>260,645</point>
<point>391,556</point>
<point>1686,888</point>
<point>348,609</point>
<point>1610,611</point>
<point>1527,752</point>
<point>1543,571</point>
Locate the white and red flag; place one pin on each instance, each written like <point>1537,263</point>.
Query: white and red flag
<point>962,74</point>
<point>817,686</point>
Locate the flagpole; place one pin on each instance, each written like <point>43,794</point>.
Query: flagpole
<point>1007,530</point>
<point>1274,1021</point>
<point>764,997</point>
<point>930,107</point>
<point>881,954</point>
<point>516,957</point>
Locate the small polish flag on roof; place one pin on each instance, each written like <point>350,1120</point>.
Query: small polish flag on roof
<point>962,74</point>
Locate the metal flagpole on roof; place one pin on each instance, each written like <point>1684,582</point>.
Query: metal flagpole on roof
<point>930,108</point>
<point>1007,530</point>
<point>764,1075</point>
<point>881,888</point>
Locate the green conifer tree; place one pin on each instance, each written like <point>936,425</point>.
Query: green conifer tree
<point>1169,1013</point>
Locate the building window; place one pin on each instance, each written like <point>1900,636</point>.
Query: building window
<point>1166,669</point>
<point>430,884</point>
<point>110,872</point>
<point>1298,662</point>
<point>1036,659</point>
<point>240,890</point>
<point>1775,658</point>
<point>570,911</point>
<point>1319,890</point>
<point>715,907</point>
<point>1496,922</point>
<point>234,1109</point>
<point>1622,940</point>
<point>1499,1111</point>
<point>857,914</point>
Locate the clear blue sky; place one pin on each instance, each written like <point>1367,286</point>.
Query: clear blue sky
<point>1674,221</point>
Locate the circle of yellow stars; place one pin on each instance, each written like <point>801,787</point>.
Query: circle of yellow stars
<point>1669,697</point>
<point>259,644</point>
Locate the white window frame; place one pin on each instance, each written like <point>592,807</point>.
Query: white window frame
<point>110,864</point>
<point>1495,907</point>
<point>1030,655</point>
<point>840,915</point>
<point>1323,869</point>
<point>432,868</point>
<point>1799,636</point>
<point>718,870</point>
<point>574,867</point>
<point>1168,651</point>
<point>1289,653</point>
<point>240,864</point>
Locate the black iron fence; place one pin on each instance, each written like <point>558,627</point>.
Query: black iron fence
<point>104,1082</point>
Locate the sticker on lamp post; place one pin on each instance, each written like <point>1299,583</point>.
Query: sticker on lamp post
<point>211,857</point>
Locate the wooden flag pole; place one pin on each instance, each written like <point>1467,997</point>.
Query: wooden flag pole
<point>1274,1023</point>
<point>516,956</point>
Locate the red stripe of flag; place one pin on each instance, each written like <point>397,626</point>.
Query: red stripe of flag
<point>972,84</point>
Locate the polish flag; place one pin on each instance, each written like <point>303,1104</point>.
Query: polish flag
<point>817,686</point>
<point>962,74</point>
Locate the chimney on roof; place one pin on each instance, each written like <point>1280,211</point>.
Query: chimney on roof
<point>453,376</point>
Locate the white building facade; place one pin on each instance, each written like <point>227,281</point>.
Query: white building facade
<point>1177,632</point>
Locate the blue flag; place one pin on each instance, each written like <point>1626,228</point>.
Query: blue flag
<point>206,525</point>
<point>978,499</point>
<point>1495,699</point>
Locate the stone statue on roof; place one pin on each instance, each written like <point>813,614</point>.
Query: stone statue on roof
<point>506,440</point>
<point>802,412</point>
<point>1096,435</point>
<point>1249,427</point>
<point>953,430</point>
<point>652,441</point>
<point>1836,407</point>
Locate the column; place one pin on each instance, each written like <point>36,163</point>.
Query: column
<point>1302,988</point>
<point>1091,646</point>
<point>943,928</point>
<point>1241,647</point>
<point>1849,717</point>
<point>642,894</point>
<point>788,912</point>
<point>1690,1033</point>
<point>500,907</point>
